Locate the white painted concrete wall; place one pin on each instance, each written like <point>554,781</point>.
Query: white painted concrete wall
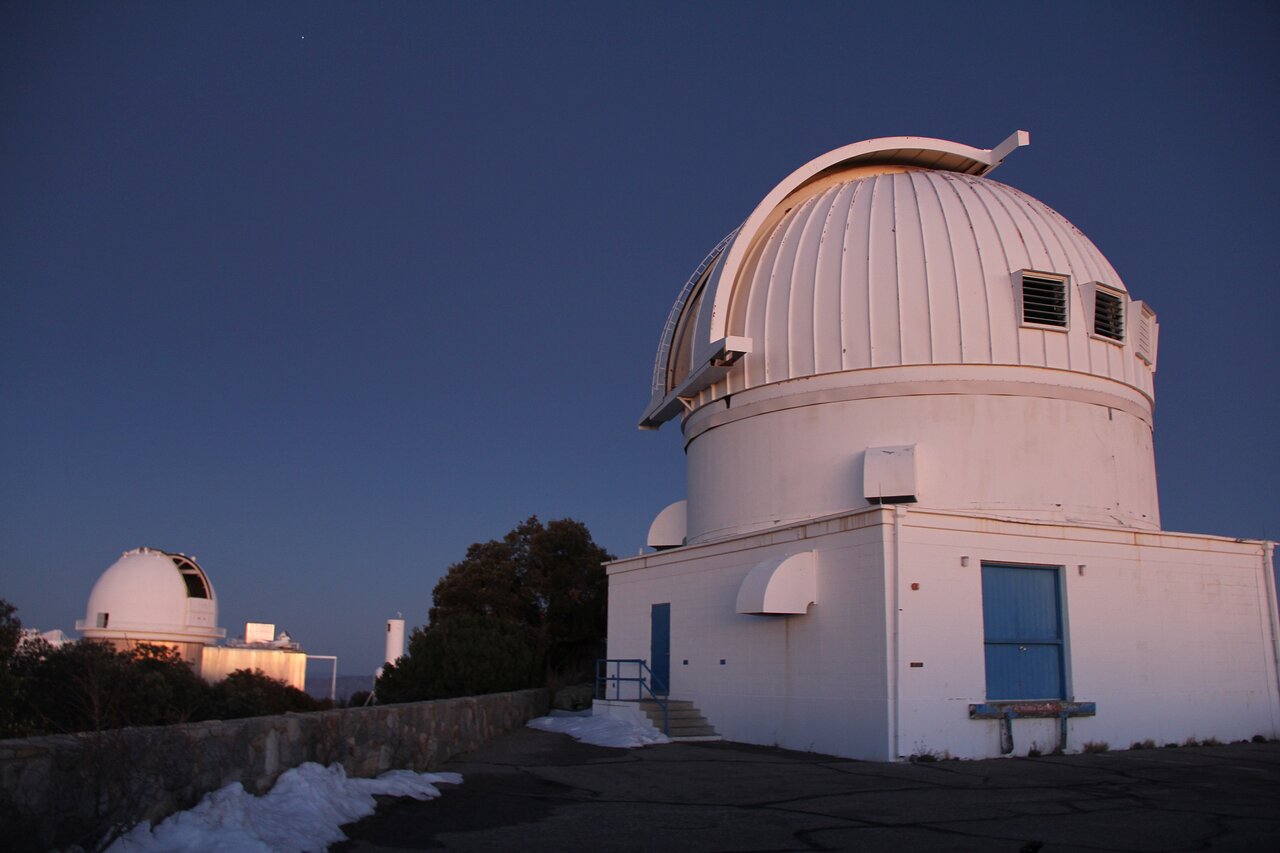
<point>767,460</point>
<point>814,682</point>
<point>1172,635</point>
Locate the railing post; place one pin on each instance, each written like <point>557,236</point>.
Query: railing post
<point>642,683</point>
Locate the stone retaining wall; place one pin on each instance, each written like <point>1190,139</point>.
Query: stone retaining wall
<point>70,789</point>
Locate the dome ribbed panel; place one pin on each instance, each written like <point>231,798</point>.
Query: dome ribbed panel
<point>1001,248</point>
<point>801,320</point>
<point>913,267</point>
<point>946,333</point>
<point>881,286</point>
<point>755,306</point>
<point>778,316</point>
<point>960,231</point>
<point>828,311</point>
<point>915,320</point>
<point>855,318</point>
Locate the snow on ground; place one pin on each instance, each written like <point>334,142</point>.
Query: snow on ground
<point>599,730</point>
<point>301,812</point>
<point>304,809</point>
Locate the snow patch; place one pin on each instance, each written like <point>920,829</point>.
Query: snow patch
<point>600,730</point>
<point>301,812</point>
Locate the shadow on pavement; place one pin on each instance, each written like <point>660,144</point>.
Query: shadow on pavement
<point>537,791</point>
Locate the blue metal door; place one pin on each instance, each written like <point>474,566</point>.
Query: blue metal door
<point>660,647</point>
<point>1022,622</point>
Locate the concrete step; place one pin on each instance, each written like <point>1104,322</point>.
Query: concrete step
<point>684,721</point>
<point>672,704</point>
<point>675,713</point>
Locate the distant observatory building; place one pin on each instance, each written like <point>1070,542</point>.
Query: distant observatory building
<point>154,597</point>
<point>921,505</point>
<point>151,596</point>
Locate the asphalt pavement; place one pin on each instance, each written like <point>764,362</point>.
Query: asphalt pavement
<point>537,791</point>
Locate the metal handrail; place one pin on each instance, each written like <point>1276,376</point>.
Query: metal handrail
<point>603,679</point>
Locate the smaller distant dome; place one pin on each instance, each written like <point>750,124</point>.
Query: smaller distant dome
<point>152,595</point>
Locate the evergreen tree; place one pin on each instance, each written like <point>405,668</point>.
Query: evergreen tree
<point>10,635</point>
<point>513,613</point>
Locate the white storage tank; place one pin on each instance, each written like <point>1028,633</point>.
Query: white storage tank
<point>395,640</point>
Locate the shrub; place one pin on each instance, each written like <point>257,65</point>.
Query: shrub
<point>246,693</point>
<point>924,755</point>
<point>91,686</point>
<point>464,655</point>
<point>1096,746</point>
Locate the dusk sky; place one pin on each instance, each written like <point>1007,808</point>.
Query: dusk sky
<point>321,293</point>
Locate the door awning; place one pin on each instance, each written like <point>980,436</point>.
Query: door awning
<point>782,585</point>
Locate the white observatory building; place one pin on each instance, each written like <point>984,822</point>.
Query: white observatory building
<point>921,508</point>
<point>158,598</point>
<point>152,596</point>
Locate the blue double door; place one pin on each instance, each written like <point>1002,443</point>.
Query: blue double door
<point>1022,622</point>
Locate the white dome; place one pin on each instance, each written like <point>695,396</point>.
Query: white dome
<point>876,261</point>
<point>151,595</point>
<point>892,270</point>
<point>913,267</point>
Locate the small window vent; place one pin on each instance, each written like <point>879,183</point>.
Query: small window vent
<point>1146,333</point>
<point>1108,315</point>
<point>1044,300</point>
<point>1143,342</point>
<point>103,619</point>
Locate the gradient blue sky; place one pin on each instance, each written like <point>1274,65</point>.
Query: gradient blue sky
<point>321,293</point>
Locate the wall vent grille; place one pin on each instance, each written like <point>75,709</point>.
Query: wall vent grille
<point>1146,333</point>
<point>1044,300</point>
<point>1108,315</point>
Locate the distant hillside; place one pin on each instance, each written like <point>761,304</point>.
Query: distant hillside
<point>318,686</point>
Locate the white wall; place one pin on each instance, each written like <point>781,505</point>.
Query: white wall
<point>1170,634</point>
<point>1087,460</point>
<point>812,682</point>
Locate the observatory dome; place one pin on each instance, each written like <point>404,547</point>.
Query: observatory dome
<point>152,596</point>
<point>889,295</point>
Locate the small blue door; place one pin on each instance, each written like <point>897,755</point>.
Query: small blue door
<point>660,647</point>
